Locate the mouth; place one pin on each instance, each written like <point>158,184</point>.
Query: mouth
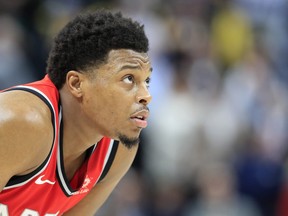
<point>140,118</point>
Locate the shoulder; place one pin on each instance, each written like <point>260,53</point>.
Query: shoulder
<point>26,131</point>
<point>20,109</point>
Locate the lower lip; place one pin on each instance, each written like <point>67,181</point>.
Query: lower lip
<point>140,123</point>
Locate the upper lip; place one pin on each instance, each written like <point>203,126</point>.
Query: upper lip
<point>142,114</point>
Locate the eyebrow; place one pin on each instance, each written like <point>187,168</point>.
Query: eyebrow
<point>129,67</point>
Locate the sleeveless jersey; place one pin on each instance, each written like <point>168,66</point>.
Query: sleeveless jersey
<point>46,191</point>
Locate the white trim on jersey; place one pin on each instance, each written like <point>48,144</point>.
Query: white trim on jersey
<point>59,168</point>
<point>106,158</point>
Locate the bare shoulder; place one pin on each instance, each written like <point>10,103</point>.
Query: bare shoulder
<point>26,133</point>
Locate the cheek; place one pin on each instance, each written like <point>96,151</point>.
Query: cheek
<point>108,109</point>
<point>110,106</point>
<point>118,110</point>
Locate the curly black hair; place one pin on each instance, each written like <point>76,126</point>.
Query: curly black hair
<point>87,39</point>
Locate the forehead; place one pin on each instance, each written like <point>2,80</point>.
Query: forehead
<point>122,57</point>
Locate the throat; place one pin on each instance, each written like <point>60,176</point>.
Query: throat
<point>73,166</point>
<point>77,164</point>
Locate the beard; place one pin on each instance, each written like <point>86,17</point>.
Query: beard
<point>129,142</point>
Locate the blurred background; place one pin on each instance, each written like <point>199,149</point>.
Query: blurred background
<point>217,141</point>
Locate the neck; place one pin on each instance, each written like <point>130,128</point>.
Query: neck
<point>78,136</point>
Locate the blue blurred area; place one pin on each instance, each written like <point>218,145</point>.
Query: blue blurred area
<point>217,139</point>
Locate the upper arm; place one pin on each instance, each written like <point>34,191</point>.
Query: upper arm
<point>93,201</point>
<point>24,135</point>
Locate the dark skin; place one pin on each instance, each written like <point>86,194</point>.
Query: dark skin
<point>111,100</point>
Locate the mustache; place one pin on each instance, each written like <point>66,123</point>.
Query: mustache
<point>144,108</point>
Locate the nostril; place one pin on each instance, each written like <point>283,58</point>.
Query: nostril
<point>143,101</point>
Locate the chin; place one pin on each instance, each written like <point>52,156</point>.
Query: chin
<point>129,142</point>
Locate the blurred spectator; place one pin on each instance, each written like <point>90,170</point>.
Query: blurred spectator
<point>14,65</point>
<point>260,179</point>
<point>128,198</point>
<point>218,195</point>
<point>167,157</point>
<point>260,99</point>
<point>231,36</point>
<point>270,23</point>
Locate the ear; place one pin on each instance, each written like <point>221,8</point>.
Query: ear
<point>74,82</point>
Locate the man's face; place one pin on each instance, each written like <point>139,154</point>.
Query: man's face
<point>116,97</point>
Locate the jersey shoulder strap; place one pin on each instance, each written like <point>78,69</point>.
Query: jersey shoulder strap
<point>109,161</point>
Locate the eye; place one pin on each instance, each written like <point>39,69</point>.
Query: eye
<point>128,79</point>
<point>148,80</point>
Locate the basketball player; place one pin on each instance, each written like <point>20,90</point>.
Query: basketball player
<point>67,140</point>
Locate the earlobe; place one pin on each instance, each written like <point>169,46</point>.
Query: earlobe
<point>74,80</point>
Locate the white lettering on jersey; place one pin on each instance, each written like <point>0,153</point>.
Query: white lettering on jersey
<point>26,212</point>
<point>3,210</point>
<point>84,188</point>
<point>29,212</point>
<point>40,181</point>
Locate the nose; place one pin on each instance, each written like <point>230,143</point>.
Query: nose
<point>144,97</point>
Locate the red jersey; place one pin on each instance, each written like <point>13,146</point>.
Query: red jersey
<point>46,191</point>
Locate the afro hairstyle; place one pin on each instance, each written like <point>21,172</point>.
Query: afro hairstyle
<point>86,41</point>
